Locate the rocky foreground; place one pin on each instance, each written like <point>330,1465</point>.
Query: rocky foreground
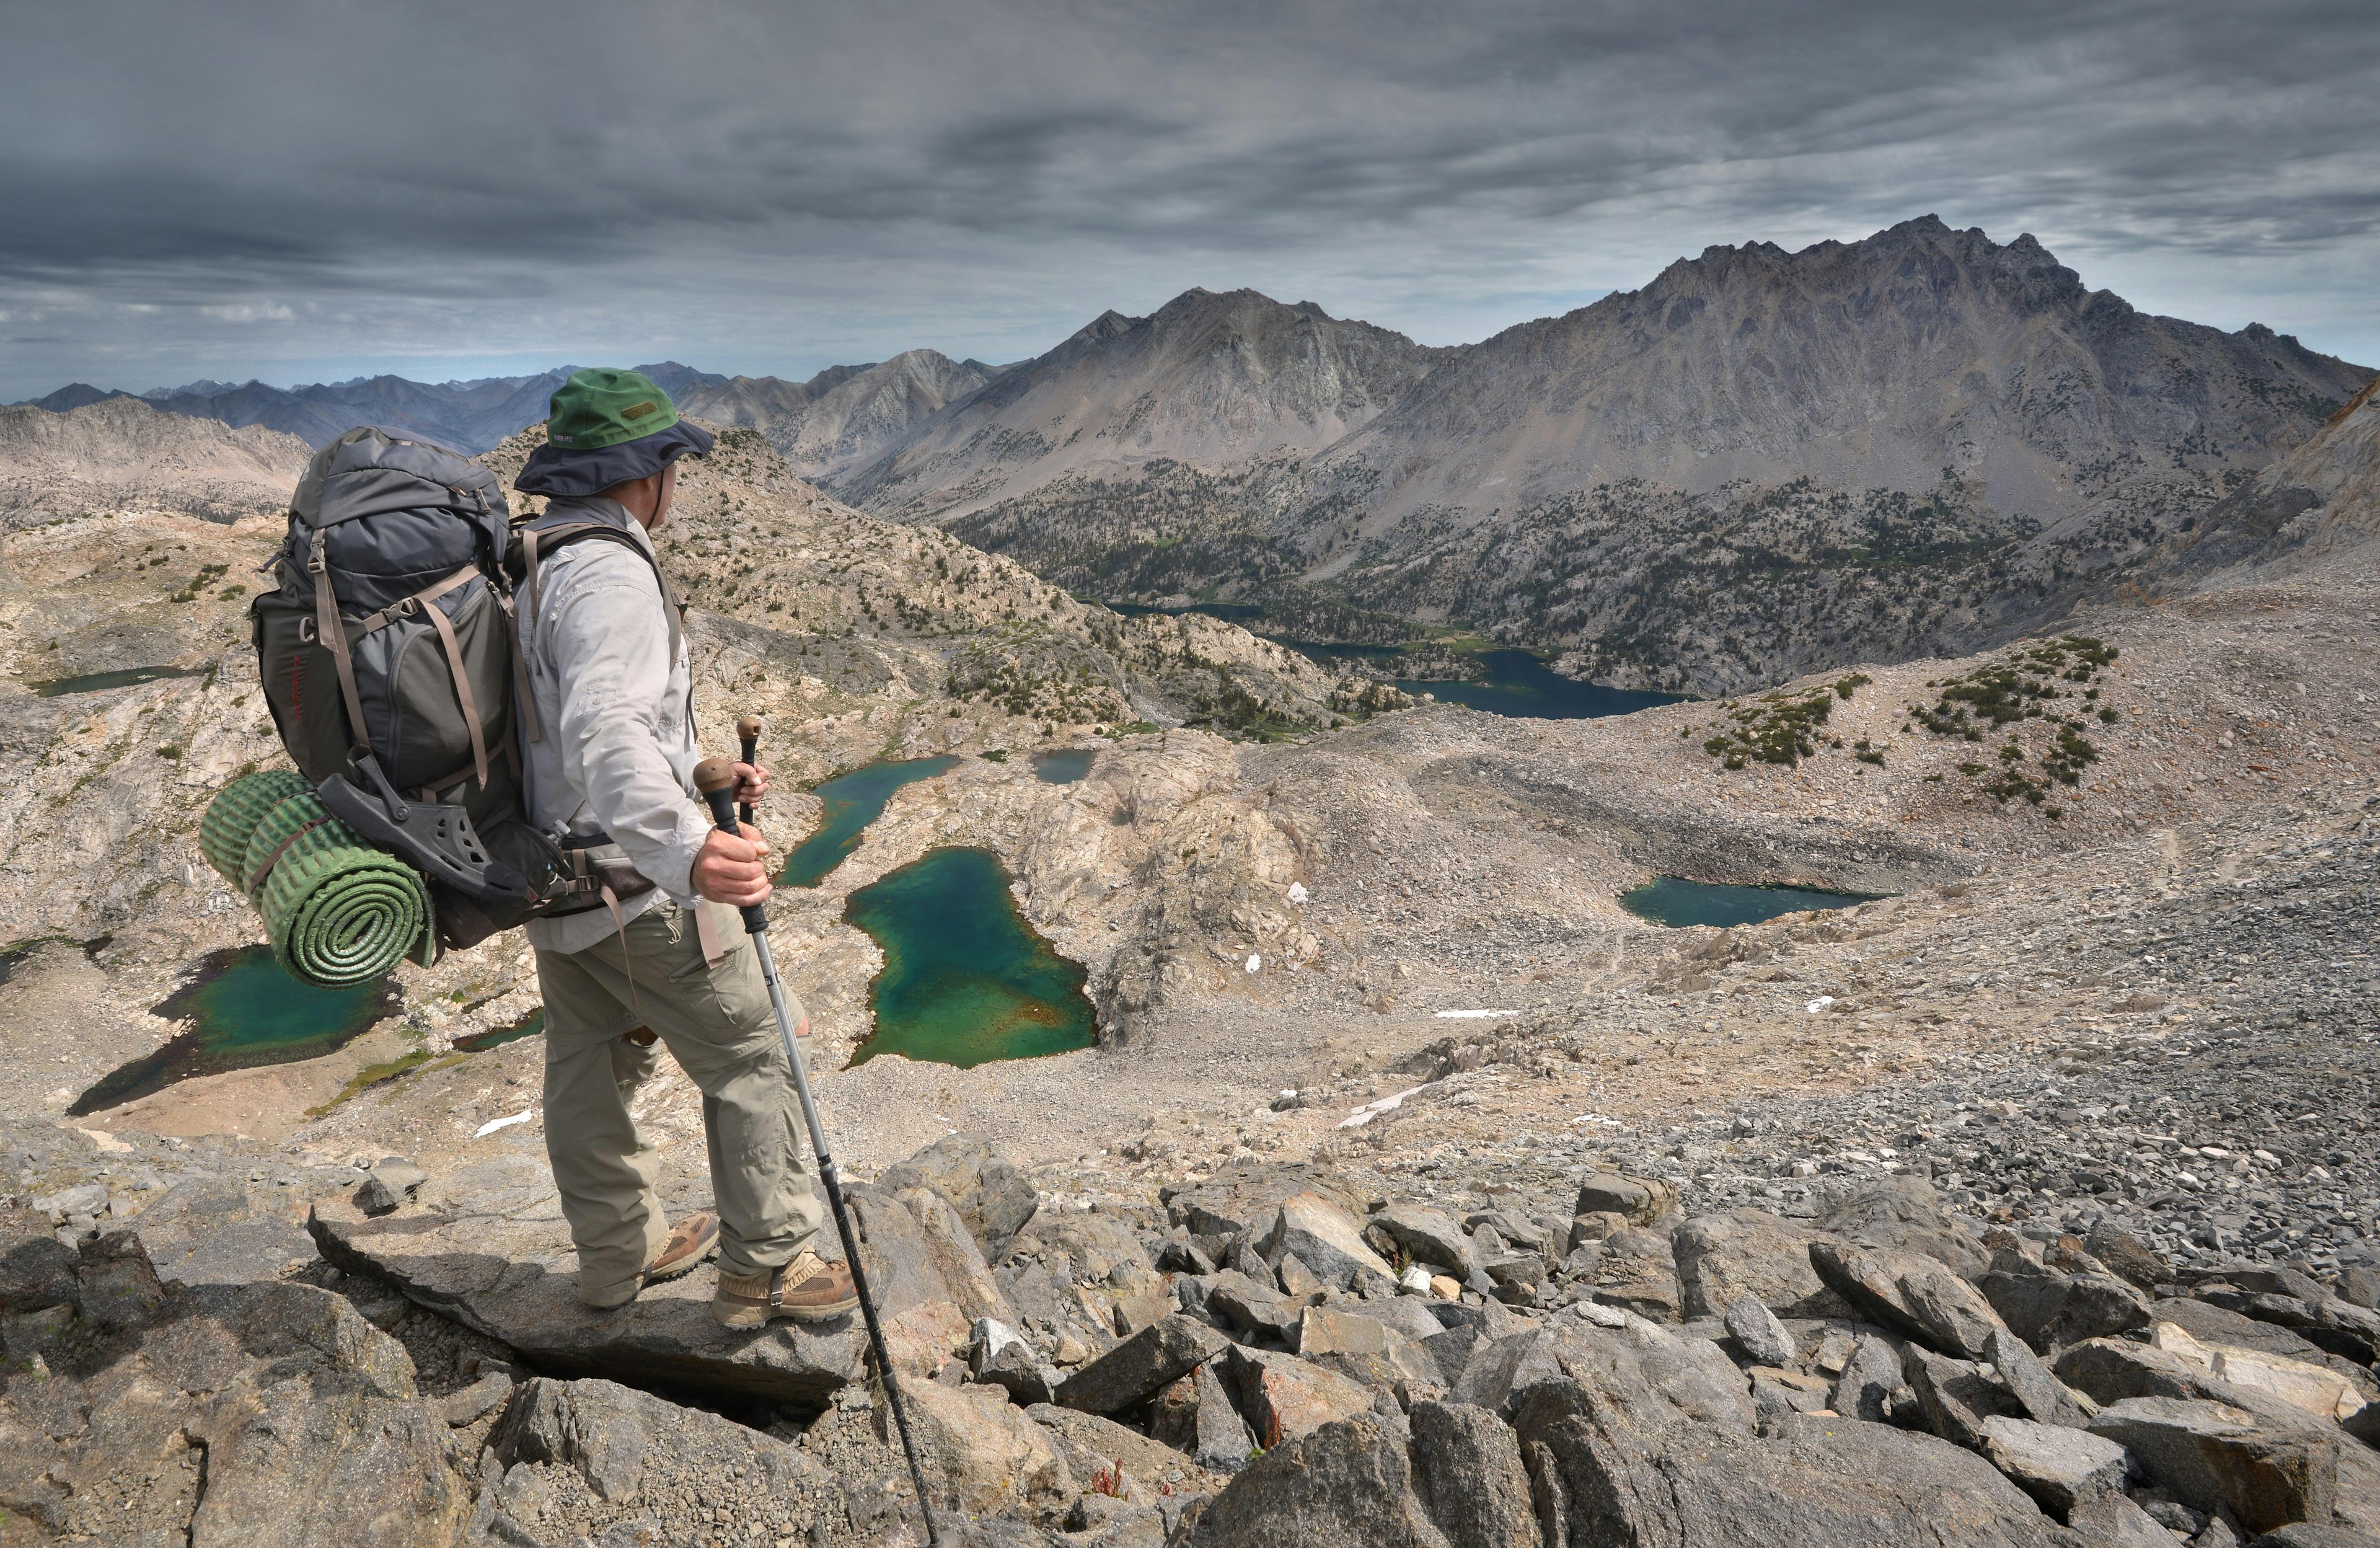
<point>1271,1355</point>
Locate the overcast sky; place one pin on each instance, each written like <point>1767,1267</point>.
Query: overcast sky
<point>313,191</point>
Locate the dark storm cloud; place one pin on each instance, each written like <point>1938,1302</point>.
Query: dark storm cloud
<point>325,186</point>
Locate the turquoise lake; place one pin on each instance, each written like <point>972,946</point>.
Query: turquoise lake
<point>244,1011</point>
<point>1674,901</point>
<point>852,800</point>
<point>965,979</point>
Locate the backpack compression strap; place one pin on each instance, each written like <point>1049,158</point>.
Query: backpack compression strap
<point>334,633</point>
<point>427,602</point>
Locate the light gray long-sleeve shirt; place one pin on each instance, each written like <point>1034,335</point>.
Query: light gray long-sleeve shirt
<point>618,750</point>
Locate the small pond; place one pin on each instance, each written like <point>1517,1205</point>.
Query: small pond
<point>852,800</point>
<point>965,979</point>
<point>96,682</point>
<point>530,1025</point>
<point>244,1011</point>
<point>1672,900</point>
<point>1066,765</point>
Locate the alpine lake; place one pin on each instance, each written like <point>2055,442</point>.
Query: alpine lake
<point>243,1010</point>
<point>1672,900</point>
<point>966,980</point>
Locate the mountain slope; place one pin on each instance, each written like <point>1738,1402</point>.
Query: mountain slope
<point>842,416</point>
<point>1208,378</point>
<point>2318,507</point>
<point>1918,354</point>
<point>119,452</point>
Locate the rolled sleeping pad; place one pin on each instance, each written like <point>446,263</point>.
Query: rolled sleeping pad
<point>338,910</point>
<point>231,818</point>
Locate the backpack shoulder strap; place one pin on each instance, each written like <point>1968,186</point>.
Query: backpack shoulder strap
<point>535,539</point>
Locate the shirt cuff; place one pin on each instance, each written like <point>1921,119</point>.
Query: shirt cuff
<point>681,850</point>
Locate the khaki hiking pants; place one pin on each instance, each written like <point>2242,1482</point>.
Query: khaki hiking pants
<point>718,1025</point>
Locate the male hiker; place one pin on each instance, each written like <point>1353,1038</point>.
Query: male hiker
<point>611,752</point>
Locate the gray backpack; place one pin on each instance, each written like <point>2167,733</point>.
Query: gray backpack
<point>388,660</point>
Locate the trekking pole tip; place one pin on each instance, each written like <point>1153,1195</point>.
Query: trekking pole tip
<point>713,773</point>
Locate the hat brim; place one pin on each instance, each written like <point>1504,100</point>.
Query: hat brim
<point>554,470</point>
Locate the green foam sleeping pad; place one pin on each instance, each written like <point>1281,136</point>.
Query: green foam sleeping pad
<point>338,910</point>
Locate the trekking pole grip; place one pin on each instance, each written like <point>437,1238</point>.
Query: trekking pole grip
<point>715,777</point>
<point>747,735</point>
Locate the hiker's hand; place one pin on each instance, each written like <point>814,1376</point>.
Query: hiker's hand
<point>730,870</point>
<point>751,784</point>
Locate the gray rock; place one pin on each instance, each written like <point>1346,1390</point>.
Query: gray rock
<point>2127,1257</point>
<point>2114,1522</point>
<point>1364,1348</point>
<point>1909,1292</point>
<point>213,1230</point>
<point>1722,1258</point>
<point>2215,1456</point>
<point>1282,1397</point>
<point>989,1194</point>
<point>1955,1395</point>
<point>2305,1535</point>
<point>1467,1474</point>
<point>997,1356</point>
<point>117,1286</point>
<point>1195,1416</point>
<point>1180,1255</point>
<point>2359,1286</point>
<point>1346,1484</point>
<point>1642,1200</point>
<point>474,1402</point>
<point>1452,1348</point>
<point>2049,1310</point>
<point>1758,1333</point>
<point>36,1269</point>
<point>1776,1392</point>
<point>269,1415</point>
<point>1869,1377</point>
<point>1639,1272</point>
<point>1250,1307</point>
<point>1089,1442</point>
<point>571,1452</point>
<point>1804,1483</point>
<point>1327,1240</point>
<point>1904,1214</point>
<point>79,1199</point>
<point>2059,1467</point>
<point>1137,1369</point>
<point>392,1181</point>
<point>488,1247</point>
<point>1640,1367</point>
<point>1246,1197</point>
<point>2043,1397</point>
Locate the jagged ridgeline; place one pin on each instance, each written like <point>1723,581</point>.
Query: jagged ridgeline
<point>1760,464</point>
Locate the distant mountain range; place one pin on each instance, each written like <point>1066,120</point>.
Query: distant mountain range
<point>1763,462</point>
<point>843,415</point>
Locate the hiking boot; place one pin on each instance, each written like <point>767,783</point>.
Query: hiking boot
<point>808,1289</point>
<point>689,1242</point>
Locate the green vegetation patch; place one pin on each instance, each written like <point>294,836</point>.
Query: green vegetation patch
<point>1782,728</point>
<point>2052,681</point>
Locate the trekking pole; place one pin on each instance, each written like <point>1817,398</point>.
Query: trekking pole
<point>747,731</point>
<point>716,779</point>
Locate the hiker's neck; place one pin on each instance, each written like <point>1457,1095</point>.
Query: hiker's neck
<point>647,499</point>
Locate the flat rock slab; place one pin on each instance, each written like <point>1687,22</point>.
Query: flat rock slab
<point>488,1247</point>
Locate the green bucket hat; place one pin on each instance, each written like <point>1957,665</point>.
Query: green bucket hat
<point>605,428</point>
<point>598,408</point>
